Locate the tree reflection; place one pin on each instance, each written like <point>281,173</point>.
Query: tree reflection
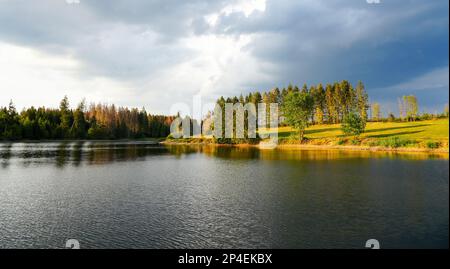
<point>77,151</point>
<point>5,154</point>
<point>62,154</point>
<point>104,152</point>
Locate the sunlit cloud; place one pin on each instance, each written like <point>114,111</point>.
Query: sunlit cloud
<point>152,53</point>
<point>33,78</point>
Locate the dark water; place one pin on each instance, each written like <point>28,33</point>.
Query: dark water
<point>141,195</point>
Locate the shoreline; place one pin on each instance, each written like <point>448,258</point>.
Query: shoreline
<point>317,147</point>
<point>156,140</point>
<point>283,146</point>
<point>367,148</point>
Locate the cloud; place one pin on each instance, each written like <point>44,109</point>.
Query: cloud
<point>432,88</point>
<point>153,53</point>
<point>313,40</point>
<point>35,78</point>
<point>436,79</point>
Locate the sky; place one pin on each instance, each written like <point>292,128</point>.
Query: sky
<point>153,54</point>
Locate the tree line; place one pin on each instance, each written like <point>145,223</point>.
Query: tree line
<point>316,104</point>
<point>338,102</point>
<point>332,102</point>
<point>329,103</point>
<point>98,121</point>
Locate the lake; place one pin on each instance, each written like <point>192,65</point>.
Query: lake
<point>144,195</point>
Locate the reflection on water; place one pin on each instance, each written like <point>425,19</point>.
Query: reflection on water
<point>119,194</point>
<point>76,153</point>
<point>103,152</point>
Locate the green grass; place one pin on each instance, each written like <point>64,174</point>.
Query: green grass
<point>430,134</point>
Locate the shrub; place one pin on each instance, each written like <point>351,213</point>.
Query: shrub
<point>97,132</point>
<point>395,142</point>
<point>391,117</point>
<point>353,124</point>
<point>432,144</point>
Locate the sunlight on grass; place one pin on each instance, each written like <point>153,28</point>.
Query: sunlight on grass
<point>419,131</point>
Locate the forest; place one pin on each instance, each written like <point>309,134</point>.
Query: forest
<point>299,108</point>
<point>334,103</point>
<point>98,121</point>
<point>329,104</point>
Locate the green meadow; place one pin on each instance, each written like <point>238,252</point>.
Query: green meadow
<point>428,134</point>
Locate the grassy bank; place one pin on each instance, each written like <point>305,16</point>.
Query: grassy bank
<point>431,135</point>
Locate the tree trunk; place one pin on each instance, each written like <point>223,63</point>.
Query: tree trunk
<point>301,134</point>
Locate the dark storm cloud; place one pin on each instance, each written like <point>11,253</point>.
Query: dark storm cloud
<point>381,44</point>
<point>384,45</point>
<point>125,39</point>
<point>172,18</point>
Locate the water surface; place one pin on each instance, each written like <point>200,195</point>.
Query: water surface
<point>144,195</point>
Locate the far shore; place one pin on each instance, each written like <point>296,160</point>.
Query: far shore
<point>281,146</point>
<point>317,147</point>
<point>156,140</point>
<point>427,136</point>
